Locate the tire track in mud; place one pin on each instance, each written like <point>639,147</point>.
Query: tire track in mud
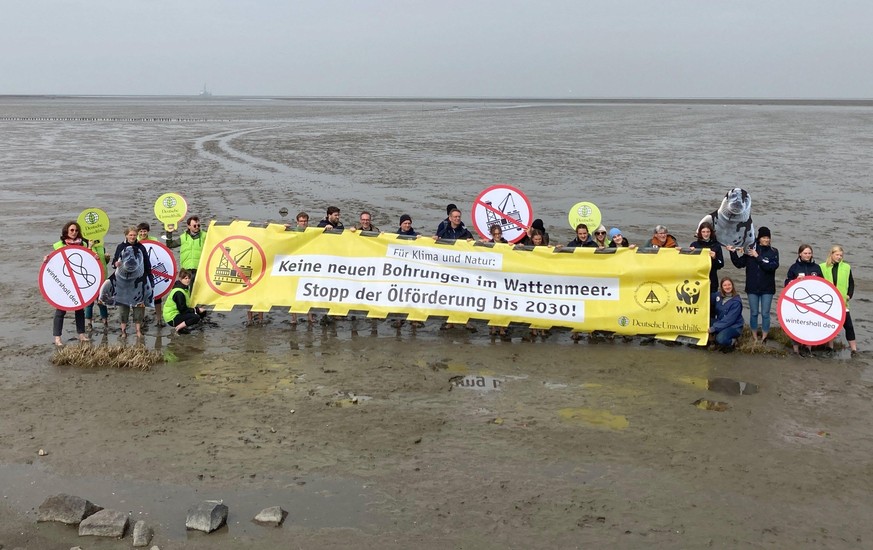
<point>279,181</point>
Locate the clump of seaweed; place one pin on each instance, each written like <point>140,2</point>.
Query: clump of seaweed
<point>115,357</point>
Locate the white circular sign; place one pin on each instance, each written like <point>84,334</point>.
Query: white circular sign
<point>70,278</point>
<point>811,310</point>
<point>164,267</point>
<point>502,205</point>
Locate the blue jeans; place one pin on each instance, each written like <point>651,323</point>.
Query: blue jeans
<point>724,337</point>
<point>762,302</point>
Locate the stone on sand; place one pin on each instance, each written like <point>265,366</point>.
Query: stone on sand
<point>105,523</point>
<point>207,516</point>
<point>271,517</point>
<point>142,534</point>
<point>67,509</point>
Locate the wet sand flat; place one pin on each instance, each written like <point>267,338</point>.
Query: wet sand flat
<point>368,433</point>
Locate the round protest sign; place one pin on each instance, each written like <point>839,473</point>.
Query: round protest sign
<point>584,212</point>
<point>70,278</point>
<point>235,265</point>
<point>170,209</point>
<point>505,206</point>
<point>811,310</point>
<point>164,268</point>
<point>94,224</point>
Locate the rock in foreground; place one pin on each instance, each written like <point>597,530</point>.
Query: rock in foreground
<point>271,517</point>
<point>67,509</point>
<point>105,523</point>
<point>206,516</point>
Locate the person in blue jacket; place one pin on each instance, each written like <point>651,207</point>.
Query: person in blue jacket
<point>728,323</point>
<point>761,262</point>
<point>455,228</point>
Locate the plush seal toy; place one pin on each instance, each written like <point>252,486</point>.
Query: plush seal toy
<point>733,220</point>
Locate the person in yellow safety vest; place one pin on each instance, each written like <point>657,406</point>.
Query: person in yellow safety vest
<point>190,245</point>
<point>839,273</point>
<point>177,312</point>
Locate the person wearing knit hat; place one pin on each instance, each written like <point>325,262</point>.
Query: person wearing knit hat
<point>617,239</point>
<point>406,226</point>
<point>760,262</point>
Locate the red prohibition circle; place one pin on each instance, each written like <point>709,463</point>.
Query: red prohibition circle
<point>172,274</point>
<point>478,203</point>
<point>786,326</point>
<point>84,299</point>
<point>220,248</point>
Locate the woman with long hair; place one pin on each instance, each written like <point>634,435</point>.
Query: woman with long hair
<point>838,272</point>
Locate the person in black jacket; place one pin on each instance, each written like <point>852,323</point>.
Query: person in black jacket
<point>706,239</point>
<point>761,262</point>
<point>803,267</point>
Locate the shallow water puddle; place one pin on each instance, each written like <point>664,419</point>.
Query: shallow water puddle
<point>731,387</point>
<point>707,405</point>
<point>476,382</point>
<point>594,417</point>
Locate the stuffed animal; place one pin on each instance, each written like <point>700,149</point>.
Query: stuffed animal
<point>733,220</point>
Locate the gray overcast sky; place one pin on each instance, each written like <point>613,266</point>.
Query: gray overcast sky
<point>457,48</point>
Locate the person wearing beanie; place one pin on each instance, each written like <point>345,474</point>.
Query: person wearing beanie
<point>617,239</point>
<point>760,262</point>
<point>406,226</point>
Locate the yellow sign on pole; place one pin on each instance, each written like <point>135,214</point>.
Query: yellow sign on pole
<point>170,209</point>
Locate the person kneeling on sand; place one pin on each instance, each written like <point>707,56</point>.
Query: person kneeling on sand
<point>177,312</point>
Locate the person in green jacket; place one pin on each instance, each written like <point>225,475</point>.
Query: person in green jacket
<point>177,312</point>
<point>839,273</point>
<point>190,245</point>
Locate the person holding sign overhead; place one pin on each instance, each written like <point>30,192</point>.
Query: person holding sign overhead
<point>839,273</point>
<point>70,236</point>
<point>761,262</point>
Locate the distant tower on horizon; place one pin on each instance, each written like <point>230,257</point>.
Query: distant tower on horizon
<point>205,92</point>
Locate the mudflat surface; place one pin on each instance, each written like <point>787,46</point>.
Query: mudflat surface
<point>394,437</point>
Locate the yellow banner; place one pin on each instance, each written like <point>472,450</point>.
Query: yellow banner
<point>664,293</point>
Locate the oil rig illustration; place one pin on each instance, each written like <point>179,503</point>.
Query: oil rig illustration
<point>238,272</point>
<point>505,224</point>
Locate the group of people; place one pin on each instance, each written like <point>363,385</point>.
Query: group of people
<point>132,284</point>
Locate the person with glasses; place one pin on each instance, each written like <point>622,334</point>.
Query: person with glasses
<point>661,238</point>
<point>600,239</point>
<point>496,234</point>
<point>190,245</point>
<point>71,235</point>
<point>366,223</point>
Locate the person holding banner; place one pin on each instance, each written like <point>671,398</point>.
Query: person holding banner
<point>706,239</point>
<point>600,240</point>
<point>496,234</point>
<point>71,235</point>
<point>661,238</point>
<point>332,219</point>
<point>177,312</point>
<point>761,262</point>
<point>190,245</point>
<point>804,266</point>
<point>583,238</point>
<point>406,226</point>
<point>455,229</point>
<point>366,223</point>
<point>134,281</point>
<point>728,323</point>
<point>839,273</point>
<point>617,240</point>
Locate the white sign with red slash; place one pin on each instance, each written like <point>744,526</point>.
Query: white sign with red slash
<point>505,206</point>
<point>70,278</point>
<point>811,311</point>
<point>164,268</point>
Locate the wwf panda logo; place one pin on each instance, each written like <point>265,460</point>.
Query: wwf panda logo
<point>688,292</point>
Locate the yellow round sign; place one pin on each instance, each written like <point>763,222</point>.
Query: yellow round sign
<point>170,209</point>
<point>94,224</point>
<point>585,212</point>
